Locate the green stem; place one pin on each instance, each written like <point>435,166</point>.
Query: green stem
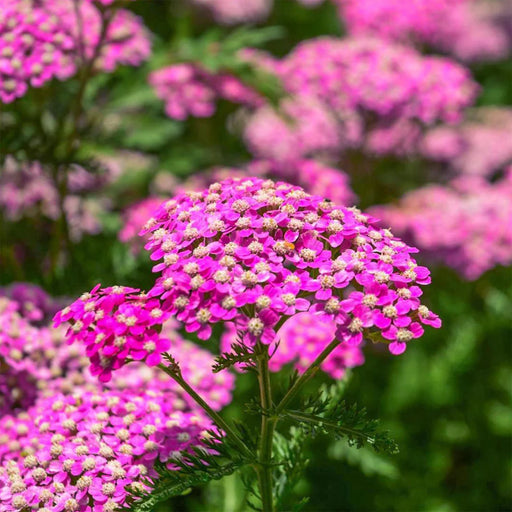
<point>267,434</point>
<point>307,375</point>
<point>215,416</point>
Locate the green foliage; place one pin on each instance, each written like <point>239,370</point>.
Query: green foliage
<point>241,355</point>
<point>325,413</point>
<point>293,460</point>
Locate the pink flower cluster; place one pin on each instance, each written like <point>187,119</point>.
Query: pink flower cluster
<point>254,252</point>
<point>34,304</point>
<point>467,225</point>
<point>355,93</point>
<point>233,12</point>
<point>116,325</point>
<point>304,127</point>
<point>300,341</point>
<point>26,188</point>
<point>469,29</point>
<point>88,452</point>
<point>36,361</point>
<point>314,177</point>
<point>45,40</point>
<point>481,145</point>
<point>188,89</point>
<point>379,78</point>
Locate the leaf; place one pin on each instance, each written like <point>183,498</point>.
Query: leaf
<point>349,422</point>
<point>326,413</point>
<point>289,451</point>
<point>241,354</point>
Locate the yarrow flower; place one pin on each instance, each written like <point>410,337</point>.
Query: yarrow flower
<point>27,189</point>
<point>89,452</point>
<point>469,29</point>
<point>466,225</point>
<point>116,324</point>
<point>188,89</point>
<point>36,361</point>
<point>355,93</point>
<point>480,145</point>
<point>254,252</point>
<point>374,76</point>
<point>49,39</point>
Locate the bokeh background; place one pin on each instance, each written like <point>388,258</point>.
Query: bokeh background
<point>447,400</point>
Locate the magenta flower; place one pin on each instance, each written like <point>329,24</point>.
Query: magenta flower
<point>116,324</point>
<point>94,447</point>
<point>255,252</point>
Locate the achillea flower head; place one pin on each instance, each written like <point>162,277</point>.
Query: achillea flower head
<point>480,145</point>
<point>467,225</point>
<point>255,252</point>
<point>39,42</point>
<point>468,29</point>
<point>116,324</point>
<point>189,90</point>
<point>379,78</point>
<point>96,447</point>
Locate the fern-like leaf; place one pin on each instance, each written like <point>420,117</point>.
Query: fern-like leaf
<point>325,412</point>
<point>241,354</point>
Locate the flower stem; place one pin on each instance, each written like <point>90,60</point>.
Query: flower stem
<point>215,416</point>
<point>267,435</point>
<point>307,375</point>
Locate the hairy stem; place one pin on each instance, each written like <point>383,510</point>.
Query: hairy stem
<point>307,375</point>
<point>175,374</point>
<point>267,434</point>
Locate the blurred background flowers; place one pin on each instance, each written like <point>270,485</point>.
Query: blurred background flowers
<point>403,108</point>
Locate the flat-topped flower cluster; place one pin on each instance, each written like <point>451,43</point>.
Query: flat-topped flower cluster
<point>88,452</point>
<point>466,224</point>
<point>190,90</point>
<point>254,252</point>
<point>50,39</point>
<point>71,443</point>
